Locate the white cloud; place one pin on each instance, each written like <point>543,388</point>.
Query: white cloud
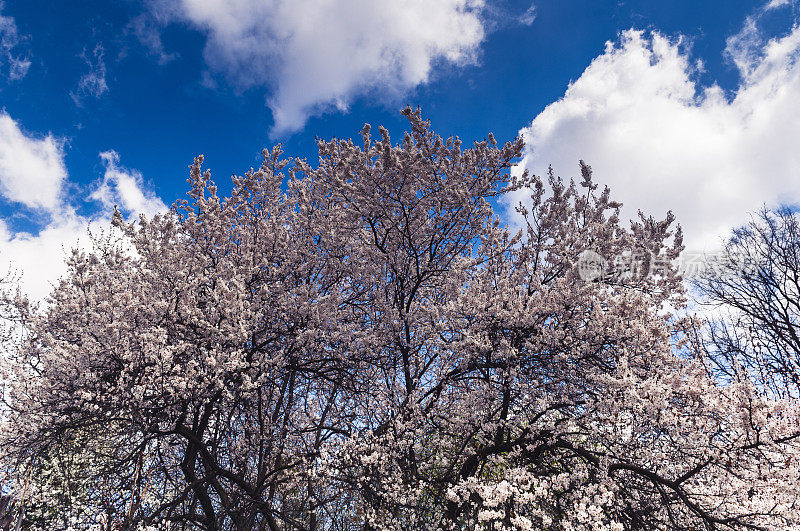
<point>147,29</point>
<point>33,174</point>
<point>10,41</point>
<point>318,54</point>
<point>38,259</point>
<point>662,142</point>
<point>32,169</point>
<point>773,4</point>
<point>529,16</point>
<point>125,189</point>
<point>93,83</point>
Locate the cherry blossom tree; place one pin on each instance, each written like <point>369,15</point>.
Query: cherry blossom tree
<point>363,344</point>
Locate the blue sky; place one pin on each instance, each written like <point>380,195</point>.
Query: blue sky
<point>684,105</point>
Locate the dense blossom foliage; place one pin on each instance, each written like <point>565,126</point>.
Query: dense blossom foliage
<point>362,344</point>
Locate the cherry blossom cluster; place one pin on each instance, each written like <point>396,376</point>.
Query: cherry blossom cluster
<point>363,344</point>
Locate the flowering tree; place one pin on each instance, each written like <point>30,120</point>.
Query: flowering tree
<point>362,344</point>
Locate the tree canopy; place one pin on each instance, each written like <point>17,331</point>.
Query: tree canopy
<point>363,344</point>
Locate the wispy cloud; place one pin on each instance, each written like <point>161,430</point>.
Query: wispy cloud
<point>773,4</point>
<point>93,83</point>
<point>529,16</point>
<point>125,189</point>
<point>12,58</point>
<point>147,29</point>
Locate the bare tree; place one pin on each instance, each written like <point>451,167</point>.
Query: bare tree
<point>753,289</point>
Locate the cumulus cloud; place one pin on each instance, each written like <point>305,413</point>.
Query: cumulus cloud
<point>17,64</point>
<point>32,170</point>
<point>663,142</point>
<point>38,260</point>
<point>33,175</point>
<point>315,55</point>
